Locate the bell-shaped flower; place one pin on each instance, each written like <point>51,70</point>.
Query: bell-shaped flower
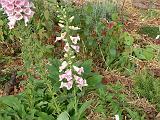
<point>9,7</point>
<point>74,28</point>
<point>12,22</point>
<point>80,82</point>
<point>75,47</point>
<point>67,75</point>
<point>18,16</point>
<point>3,3</point>
<point>11,1</point>
<point>67,85</point>
<point>66,47</point>
<point>61,37</point>
<point>74,39</point>
<point>78,70</point>
<point>63,66</point>
<point>17,10</point>
<point>20,3</point>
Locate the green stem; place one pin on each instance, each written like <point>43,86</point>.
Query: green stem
<point>75,102</point>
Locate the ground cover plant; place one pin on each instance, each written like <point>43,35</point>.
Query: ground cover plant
<point>78,60</point>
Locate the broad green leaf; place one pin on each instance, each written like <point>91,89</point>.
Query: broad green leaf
<point>63,116</point>
<point>114,16</point>
<point>41,103</point>
<point>46,14</point>
<point>1,23</point>
<point>70,106</point>
<point>44,116</point>
<point>11,101</point>
<point>83,108</point>
<point>148,53</point>
<point>129,40</point>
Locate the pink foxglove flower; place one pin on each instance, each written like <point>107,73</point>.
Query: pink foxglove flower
<point>63,66</point>
<point>75,47</point>
<point>68,85</point>
<point>75,39</point>
<point>18,16</point>
<point>80,82</point>
<point>67,75</point>
<point>17,10</point>
<point>11,1</point>
<point>78,70</point>
<point>3,3</point>
<point>61,77</point>
<point>9,7</point>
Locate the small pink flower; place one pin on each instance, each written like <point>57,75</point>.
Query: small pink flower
<point>80,82</point>
<point>27,17</point>
<point>9,13</point>
<point>27,11</point>
<point>27,4</point>
<point>18,9</point>
<point>11,1</point>
<point>82,85</point>
<point>19,3</point>
<point>78,70</point>
<point>66,47</point>
<point>4,3</point>
<point>74,39</point>
<point>63,66</point>
<point>75,47</point>
<point>68,85</point>
<point>18,16</point>
<point>9,7</point>
<point>61,77</point>
<point>67,75</point>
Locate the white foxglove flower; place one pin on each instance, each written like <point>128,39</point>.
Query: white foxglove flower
<point>158,36</point>
<point>63,66</point>
<point>74,28</point>
<point>75,39</point>
<point>117,117</point>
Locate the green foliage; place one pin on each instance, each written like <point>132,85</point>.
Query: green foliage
<point>113,102</point>
<point>147,53</point>
<point>113,45</point>
<point>102,37</point>
<point>63,116</point>
<point>151,31</point>
<point>149,87</point>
